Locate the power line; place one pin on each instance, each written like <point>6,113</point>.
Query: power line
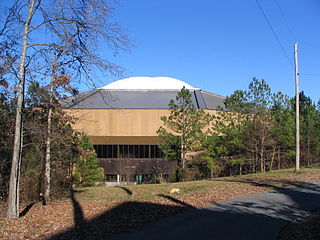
<point>286,22</point>
<point>274,33</point>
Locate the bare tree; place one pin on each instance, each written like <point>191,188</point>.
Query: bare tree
<point>13,198</point>
<point>74,30</point>
<point>81,26</point>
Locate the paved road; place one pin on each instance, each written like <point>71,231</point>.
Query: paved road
<point>257,216</point>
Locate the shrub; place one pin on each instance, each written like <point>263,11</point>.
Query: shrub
<point>87,170</point>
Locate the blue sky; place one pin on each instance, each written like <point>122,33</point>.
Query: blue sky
<point>219,45</point>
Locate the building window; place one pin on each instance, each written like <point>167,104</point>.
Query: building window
<point>128,151</point>
<point>111,178</point>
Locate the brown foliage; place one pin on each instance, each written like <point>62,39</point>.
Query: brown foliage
<point>106,217</point>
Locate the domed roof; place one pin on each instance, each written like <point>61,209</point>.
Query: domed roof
<point>147,83</point>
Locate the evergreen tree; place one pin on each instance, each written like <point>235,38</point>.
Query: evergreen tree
<point>309,128</point>
<point>214,149</point>
<point>246,128</point>
<point>184,130</point>
<point>258,128</point>
<point>86,169</point>
<point>283,129</point>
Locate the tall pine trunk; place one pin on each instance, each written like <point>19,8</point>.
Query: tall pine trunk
<point>13,197</point>
<point>183,151</point>
<point>262,161</point>
<point>279,158</point>
<point>308,147</point>
<point>272,157</point>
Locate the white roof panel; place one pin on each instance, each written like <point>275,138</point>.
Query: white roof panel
<point>148,83</point>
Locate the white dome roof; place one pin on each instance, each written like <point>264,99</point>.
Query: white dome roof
<point>147,83</point>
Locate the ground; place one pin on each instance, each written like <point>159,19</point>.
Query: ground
<point>105,211</point>
<point>308,229</point>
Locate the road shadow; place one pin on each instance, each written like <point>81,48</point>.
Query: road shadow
<point>275,184</point>
<point>258,216</point>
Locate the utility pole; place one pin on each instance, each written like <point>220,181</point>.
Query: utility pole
<point>297,108</point>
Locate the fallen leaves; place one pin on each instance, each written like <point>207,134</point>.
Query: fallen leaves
<point>108,211</point>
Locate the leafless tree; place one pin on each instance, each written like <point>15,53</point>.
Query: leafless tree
<point>63,39</point>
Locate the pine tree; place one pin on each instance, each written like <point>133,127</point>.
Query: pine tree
<point>184,130</point>
<point>87,170</point>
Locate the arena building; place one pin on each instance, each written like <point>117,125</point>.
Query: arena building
<point>121,120</point>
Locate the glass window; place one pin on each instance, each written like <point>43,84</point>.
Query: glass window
<point>153,151</point>
<point>114,151</point>
<point>147,151</point>
<point>98,149</point>
<point>159,153</point>
<point>121,151</point>
<point>109,151</point>
<point>104,151</point>
<point>141,151</point>
<point>126,151</point>
<point>131,151</point>
<point>136,151</point>
<point>111,177</point>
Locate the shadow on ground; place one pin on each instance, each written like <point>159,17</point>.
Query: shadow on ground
<point>123,218</point>
<point>127,190</point>
<point>26,209</point>
<point>273,184</point>
<point>227,220</point>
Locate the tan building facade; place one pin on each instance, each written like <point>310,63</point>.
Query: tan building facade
<point>121,121</point>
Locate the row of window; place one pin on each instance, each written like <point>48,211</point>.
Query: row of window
<point>134,178</point>
<point>128,151</point>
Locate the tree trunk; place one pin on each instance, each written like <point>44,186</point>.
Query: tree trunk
<point>253,163</point>
<point>47,170</point>
<point>279,159</point>
<point>262,162</point>
<point>308,147</point>
<point>183,154</point>
<point>272,158</point>
<point>256,159</point>
<point>13,197</point>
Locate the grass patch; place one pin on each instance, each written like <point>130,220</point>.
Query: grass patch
<point>152,191</point>
<point>143,191</point>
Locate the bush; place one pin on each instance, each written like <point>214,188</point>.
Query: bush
<point>188,174</point>
<point>87,170</point>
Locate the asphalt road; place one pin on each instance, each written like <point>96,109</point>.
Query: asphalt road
<point>257,216</point>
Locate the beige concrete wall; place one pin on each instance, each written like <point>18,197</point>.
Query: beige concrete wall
<point>118,122</point>
<point>124,140</point>
<point>120,126</point>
